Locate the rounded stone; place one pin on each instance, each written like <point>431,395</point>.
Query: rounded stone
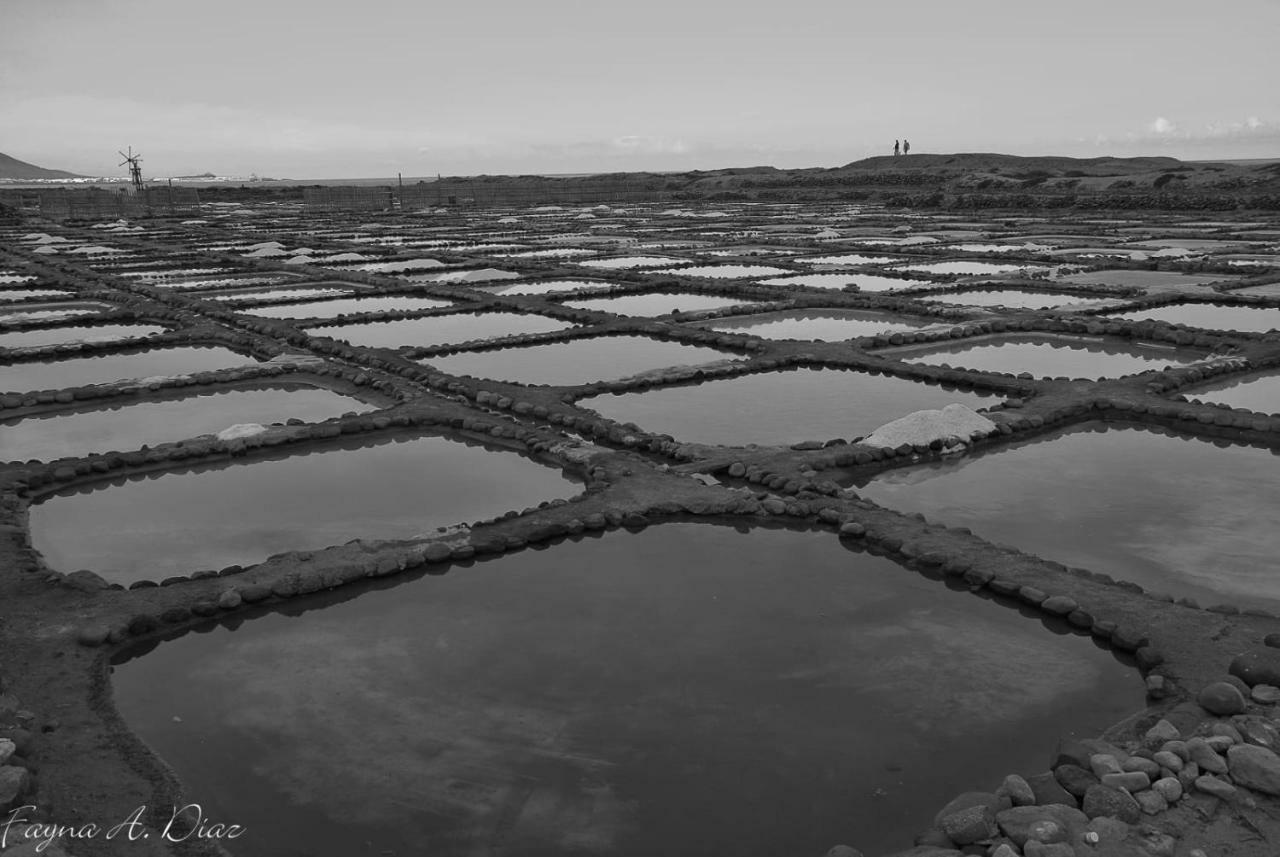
<point>1109,802</point>
<point>1222,699</point>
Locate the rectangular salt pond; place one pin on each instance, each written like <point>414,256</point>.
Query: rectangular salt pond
<point>345,306</point>
<point>864,282</point>
<point>276,294</point>
<point>1014,299</point>
<point>47,312</point>
<point>616,697</point>
<point>826,325</point>
<point>847,259</point>
<point>785,407</point>
<point>968,268</point>
<point>1176,515</point>
<point>726,272</point>
<point>81,333</point>
<point>1143,279</point>
<point>1245,319</point>
<point>150,528</point>
<point>103,369</point>
<point>548,287</point>
<point>8,295</point>
<point>125,427</point>
<point>578,361</point>
<point>657,303</point>
<point>440,329</point>
<point>622,262</point>
<point>1052,356</point>
<point>1256,391</point>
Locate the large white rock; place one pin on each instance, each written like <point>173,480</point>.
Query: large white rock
<point>923,427</point>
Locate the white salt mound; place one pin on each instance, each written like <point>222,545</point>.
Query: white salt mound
<point>240,430</point>
<point>923,427</point>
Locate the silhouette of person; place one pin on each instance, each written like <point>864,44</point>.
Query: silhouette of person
<point>906,147</point>
<point>895,148</point>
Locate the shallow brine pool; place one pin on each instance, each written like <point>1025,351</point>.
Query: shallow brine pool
<point>81,371</point>
<point>1052,357</point>
<point>968,268</point>
<point>1256,391</point>
<point>345,306</point>
<point>124,427</point>
<point>440,329</point>
<point>621,262</point>
<point>150,528</point>
<point>784,407</point>
<point>726,272</point>
<point>1175,515</point>
<point>82,333</point>
<point>1210,316</point>
<point>547,287</point>
<point>828,325</point>
<point>1014,299</point>
<point>578,361</point>
<point>657,303</point>
<point>616,697</point>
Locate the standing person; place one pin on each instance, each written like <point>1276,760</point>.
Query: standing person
<point>895,148</point>
<point>906,146</point>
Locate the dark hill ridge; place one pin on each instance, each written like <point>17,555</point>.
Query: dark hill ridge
<point>987,161</point>
<point>12,168</point>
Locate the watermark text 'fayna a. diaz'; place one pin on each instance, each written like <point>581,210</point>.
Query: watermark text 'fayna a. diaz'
<point>185,823</point>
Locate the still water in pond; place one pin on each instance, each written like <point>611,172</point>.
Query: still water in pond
<point>546,287</point>
<point>243,513</point>
<point>658,303</point>
<point>579,361</point>
<point>83,333</point>
<point>968,268</point>
<point>131,426</point>
<point>80,371</point>
<point>1012,298</point>
<point>1047,357</point>
<point>616,697</point>
<point>785,407</point>
<point>1174,515</point>
<point>7,295</point>
<point>1257,391</point>
<point>1210,316</point>
<point>830,325</point>
<point>726,272</point>
<point>344,306</point>
<point>441,329</point>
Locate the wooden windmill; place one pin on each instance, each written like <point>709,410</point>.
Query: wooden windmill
<point>135,168</point>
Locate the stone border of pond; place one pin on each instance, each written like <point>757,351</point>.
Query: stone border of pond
<point>62,629</point>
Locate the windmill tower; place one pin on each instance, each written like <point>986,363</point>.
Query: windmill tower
<point>135,170</point>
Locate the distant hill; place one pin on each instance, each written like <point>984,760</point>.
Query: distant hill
<point>12,168</point>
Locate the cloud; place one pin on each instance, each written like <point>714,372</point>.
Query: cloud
<point>1162,127</point>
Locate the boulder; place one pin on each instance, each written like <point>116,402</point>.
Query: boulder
<point>975,824</point>
<point>1109,802</point>
<point>1221,699</point>
<point>1258,666</point>
<point>1053,823</point>
<point>1255,768</point>
<point>1075,779</point>
<point>843,851</point>
<point>14,782</point>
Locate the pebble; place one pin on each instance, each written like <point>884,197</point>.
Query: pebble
<point>1206,757</point>
<point>1103,764</point>
<point>969,825</point>
<point>1168,788</point>
<point>1075,779</point>
<point>1265,694</point>
<point>1161,733</point>
<point>1152,802</point>
<point>7,749</point>
<point>1211,785</point>
<point>1147,766</point>
<point>1169,761</point>
<point>1132,782</point>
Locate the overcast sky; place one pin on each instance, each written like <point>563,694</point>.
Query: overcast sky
<point>309,89</point>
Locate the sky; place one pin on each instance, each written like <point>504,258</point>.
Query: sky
<point>308,89</point>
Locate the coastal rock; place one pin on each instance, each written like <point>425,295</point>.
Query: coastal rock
<point>1048,790</point>
<point>1259,666</point>
<point>1162,732</point>
<point>1151,802</point>
<point>1055,823</point>
<point>970,825</point>
<point>1265,694</point>
<point>1018,790</point>
<point>843,851</point>
<point>1168,788</point>
<point>14,783</point>
<point>1221,698</point>
<point>1206,757</point>
<point>7,749</point>
<point>1075,779</point>
<point>1106,801</point>
<point>1255,768</point>
<point>1211,785</point>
